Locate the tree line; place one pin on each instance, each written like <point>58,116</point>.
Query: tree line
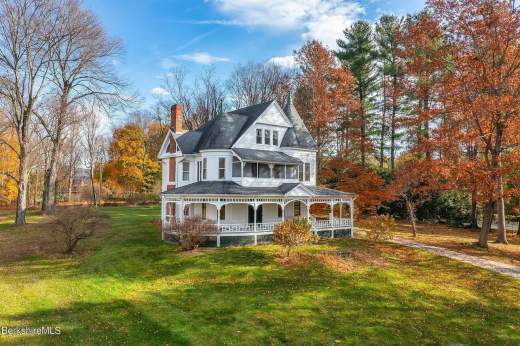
<point>416,114</point>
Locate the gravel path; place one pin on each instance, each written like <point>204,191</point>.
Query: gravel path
<point>506,269</point>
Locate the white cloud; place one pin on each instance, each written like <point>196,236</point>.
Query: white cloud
<point>168,63</point>
<point>284,61</point>
<point>159,91</point>
<point>201,58</point>
<point>323,20</point>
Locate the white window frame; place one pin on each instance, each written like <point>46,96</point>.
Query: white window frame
<point>275,135</point>
<point>261,137</point>
<point>221,170</point>
<point>185,171</point>
<point>204,169</point>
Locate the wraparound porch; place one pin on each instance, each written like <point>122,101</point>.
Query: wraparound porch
<point>256,217</point>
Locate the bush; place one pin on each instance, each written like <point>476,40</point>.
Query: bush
<point>380,227</point>
<point>291,233</point>
<point>193,231</point>
<point>75,224</point>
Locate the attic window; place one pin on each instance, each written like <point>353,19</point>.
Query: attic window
<point>275,137</point>
<point>237,167</point>
<point>258,136</point>
<point>267,137</point>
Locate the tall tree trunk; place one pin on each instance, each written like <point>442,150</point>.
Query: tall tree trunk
<point>48,200</point>
<point>383,128</point>
<point>363,130</point>
<point>92,186</point>
<point>487,220</point>
<point>100,183</point>
<point>393,125</point>
<point>21,199</point>
<point>474,224</point>
<point>501,214</point>
<point>411,214</point>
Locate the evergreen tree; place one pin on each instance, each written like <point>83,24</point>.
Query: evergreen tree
<point>387,36</point>
<point>358,54</point>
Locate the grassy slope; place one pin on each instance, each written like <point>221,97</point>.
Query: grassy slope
<point>131,286</point>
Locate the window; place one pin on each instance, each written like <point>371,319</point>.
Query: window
<point>279,211</point>
<point>236,167</point>
<point>223,213</point>
<point>279,171</point>
<point>291,172</point>
<point>221,167</point>
<point>204,210</point>
<point>264,171</point>
<point>297,209</point>
<point>307,171</point>
<point>267,137</point>
<point>204,169</point>
<point>185,170</point>
<point>199,170</point>
<point>258,136</point>
<point>300,172</point>
<point>275,137</point>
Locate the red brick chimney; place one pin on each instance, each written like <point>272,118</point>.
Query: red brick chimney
<point>177,120</point>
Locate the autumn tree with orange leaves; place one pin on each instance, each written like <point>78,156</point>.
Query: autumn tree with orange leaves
<point>325,100</point>
<point>481,92</point>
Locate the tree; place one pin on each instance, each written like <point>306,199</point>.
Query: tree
<point>481,90</point>
<point>193,231</point>
<point>81,68</point>
<point>92,143</point>
<point>416,181</point>
<point>324,96</point>
<point>358,54</point>
<point>387,38</point>
<point>255,83</point>
<point>131,165</point>
<point>8,166</point>
<point>27,39</point>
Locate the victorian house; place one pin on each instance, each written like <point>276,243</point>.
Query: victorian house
<point>247,170</point>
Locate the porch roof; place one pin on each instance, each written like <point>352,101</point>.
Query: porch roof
<point>254,155</point>
<point>231,188</point>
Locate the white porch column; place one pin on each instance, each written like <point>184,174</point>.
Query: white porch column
<point>308,205</point>
<point>218,224</point>
<point>283,212</point>
<point>255,206</point>
<point>181,215</point>
<point>340,211</point>
<point>163,216</point>
<point>331,219</point>
<point>351,217</point>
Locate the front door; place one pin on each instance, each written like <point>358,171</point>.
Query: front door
<point>251,214</point>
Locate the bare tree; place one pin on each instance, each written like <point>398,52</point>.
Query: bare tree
<point>254,83</point>
<point>92,142</point>
<point>82,67</point>
<point>27,40</point>
<point>202,101</point>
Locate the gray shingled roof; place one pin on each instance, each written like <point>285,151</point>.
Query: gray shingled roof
<point>265,156</point>
<point>298,136</point>
<point>232,188</point>
<point>223,131</point>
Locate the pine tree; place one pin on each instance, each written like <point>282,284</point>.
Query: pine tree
<point>358,54</point>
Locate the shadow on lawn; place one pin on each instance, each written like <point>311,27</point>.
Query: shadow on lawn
<point>118,322</point>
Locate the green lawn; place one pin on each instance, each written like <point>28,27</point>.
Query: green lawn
<point>127,287</point>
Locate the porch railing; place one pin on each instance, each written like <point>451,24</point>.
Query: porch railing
<point>317,225</point>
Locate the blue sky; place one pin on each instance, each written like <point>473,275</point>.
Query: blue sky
<point>161,34</point>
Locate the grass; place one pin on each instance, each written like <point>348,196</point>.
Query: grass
<point>127,287</point>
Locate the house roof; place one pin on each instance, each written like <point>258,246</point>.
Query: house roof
<point>224,130</point>
<point>232,188</point>
<point>265,156</point>
<point>297,136</point>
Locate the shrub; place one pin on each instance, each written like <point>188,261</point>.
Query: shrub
<point>193,231</point>
<point>72,225</point>
<point>292,233</point>
<point>380,227</point>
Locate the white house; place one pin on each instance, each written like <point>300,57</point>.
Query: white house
<point>247,170</point>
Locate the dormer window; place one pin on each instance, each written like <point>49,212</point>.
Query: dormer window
<point>185,170</point>
<point>307,171</point>
<point>258,136</point>
<point>221,167</point>
<point>275,137</point>
<point>237,167</point>
<point>267,137</point>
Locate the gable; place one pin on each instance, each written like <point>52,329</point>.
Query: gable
<point>299,191</point>
<point>274,115</point>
